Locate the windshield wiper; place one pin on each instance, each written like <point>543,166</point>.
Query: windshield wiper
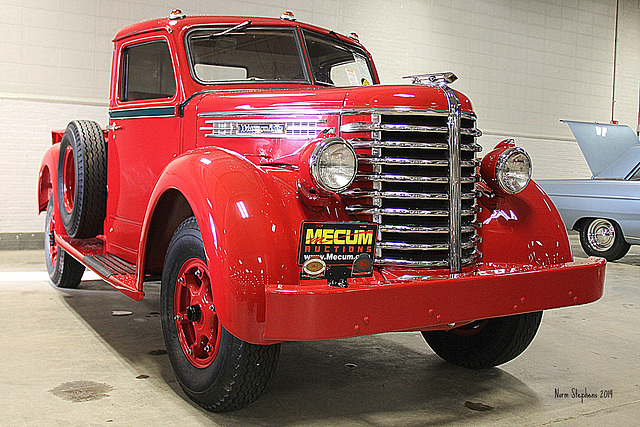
<point>240,26</point>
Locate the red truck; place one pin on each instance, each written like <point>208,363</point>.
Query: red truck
<point>259,169</point>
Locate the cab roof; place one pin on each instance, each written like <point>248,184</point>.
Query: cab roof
<point>182,23</point>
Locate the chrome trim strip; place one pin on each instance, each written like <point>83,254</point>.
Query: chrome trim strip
<point>406,111</point>
<point>413,246</point>
<point>427,230</point>
<point>369,127</point>
<point>425,246</point>
<point>363,143</point>
<point>412,162</point>
<point>412,229</point>
<point>405,178</point>
<point>369,210</point>
<point>359,193</point>
<point>426,264</point>
<point>455,181</point>
<point>398,161</point>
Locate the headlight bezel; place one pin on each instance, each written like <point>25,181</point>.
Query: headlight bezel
<point>315,164</point>
<point>502,168</point>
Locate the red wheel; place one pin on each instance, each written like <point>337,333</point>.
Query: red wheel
<point>196,320</point>
<point>215,369</point>
<point>68,179</point>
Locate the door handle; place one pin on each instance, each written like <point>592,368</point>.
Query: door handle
<point>114,127</point>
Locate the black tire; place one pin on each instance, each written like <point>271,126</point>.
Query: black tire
<point>486,343</point>
<point>214,368</point>
<point>82,179</point>
<point>603,238</point>
<point>64,271</point>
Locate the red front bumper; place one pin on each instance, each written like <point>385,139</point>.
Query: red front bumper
<point>297,313</point>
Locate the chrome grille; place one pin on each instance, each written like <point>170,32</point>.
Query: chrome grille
<point>417,180</point>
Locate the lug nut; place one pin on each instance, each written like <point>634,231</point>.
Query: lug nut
<point>212,308</point>
<point>189,351</point>
<point>207,348</point>
<point>177,318</point>
<point>181,280</point>
<point>198,273</point>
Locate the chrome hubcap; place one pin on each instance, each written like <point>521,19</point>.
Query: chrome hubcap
<point>601,235</point>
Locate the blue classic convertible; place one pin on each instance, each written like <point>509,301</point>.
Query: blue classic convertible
<point>604,209</point>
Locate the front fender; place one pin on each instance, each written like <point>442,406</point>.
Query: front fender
<point>249,221</point>
<point>524,228</point>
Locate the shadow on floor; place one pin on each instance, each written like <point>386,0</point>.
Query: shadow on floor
<point>388,379</point>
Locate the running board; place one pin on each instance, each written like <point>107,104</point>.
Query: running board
<point>109,265</point>
<point>114,270</point>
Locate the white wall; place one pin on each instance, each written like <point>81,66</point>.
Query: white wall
<point>525,65</point>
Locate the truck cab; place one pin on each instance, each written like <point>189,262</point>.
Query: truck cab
<point>280,192</point>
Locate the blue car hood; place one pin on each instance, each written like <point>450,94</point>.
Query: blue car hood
<point>611,151</point>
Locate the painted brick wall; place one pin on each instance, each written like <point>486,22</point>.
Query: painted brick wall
<point>525,65</point>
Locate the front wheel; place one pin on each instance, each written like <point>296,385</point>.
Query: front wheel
<point>215,369</point>
<point>64,271</point>
<point>485,343</point>
<point>603,238</point>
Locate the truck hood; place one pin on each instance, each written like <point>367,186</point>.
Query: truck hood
<point>611,151</point>
<point>270,101</point>
<point>278,123</point>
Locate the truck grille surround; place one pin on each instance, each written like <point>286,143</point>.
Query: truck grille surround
<point>417,180</point>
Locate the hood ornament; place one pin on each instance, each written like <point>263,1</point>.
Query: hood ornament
<point>431,79</point>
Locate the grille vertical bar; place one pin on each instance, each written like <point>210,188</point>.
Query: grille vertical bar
<point>455,185</point>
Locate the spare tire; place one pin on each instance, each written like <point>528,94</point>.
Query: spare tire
<point>82,179</point>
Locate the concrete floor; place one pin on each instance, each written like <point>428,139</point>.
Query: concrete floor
<point>65,359</point>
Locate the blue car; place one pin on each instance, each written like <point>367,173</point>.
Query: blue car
<point>606,208</point>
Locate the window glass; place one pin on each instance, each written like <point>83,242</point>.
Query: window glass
<point>147,72</point>
<point>336,63</point>
<point>248,55</point>
<point>636,174</point>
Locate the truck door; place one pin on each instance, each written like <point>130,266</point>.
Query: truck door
<point>144,135</point>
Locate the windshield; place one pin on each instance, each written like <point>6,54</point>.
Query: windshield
<point>337,63</point>
<point>269,55</point>
<point>246,55</point>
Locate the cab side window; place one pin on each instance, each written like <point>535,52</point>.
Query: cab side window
<point>147,72</point>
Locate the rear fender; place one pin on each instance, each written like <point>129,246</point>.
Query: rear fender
<point>249,221</point>
<point>47,181</point>
<point>524,228</point>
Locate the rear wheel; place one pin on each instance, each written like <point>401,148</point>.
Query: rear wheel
<point>82,179</point>
<point>215,369</point>
<point>64,271</point>
<point>485,343</point>
<point>602,237</point>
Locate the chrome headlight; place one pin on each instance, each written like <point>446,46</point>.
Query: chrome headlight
<point>333,164</point>
<point>513,170</point>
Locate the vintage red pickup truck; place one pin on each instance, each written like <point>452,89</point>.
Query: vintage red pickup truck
<point>259,169</point>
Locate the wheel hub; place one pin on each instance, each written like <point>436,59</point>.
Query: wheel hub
<point>198,329</point>
<point>194,313</point>
<point>601,235</point>
<point>68,180</point>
